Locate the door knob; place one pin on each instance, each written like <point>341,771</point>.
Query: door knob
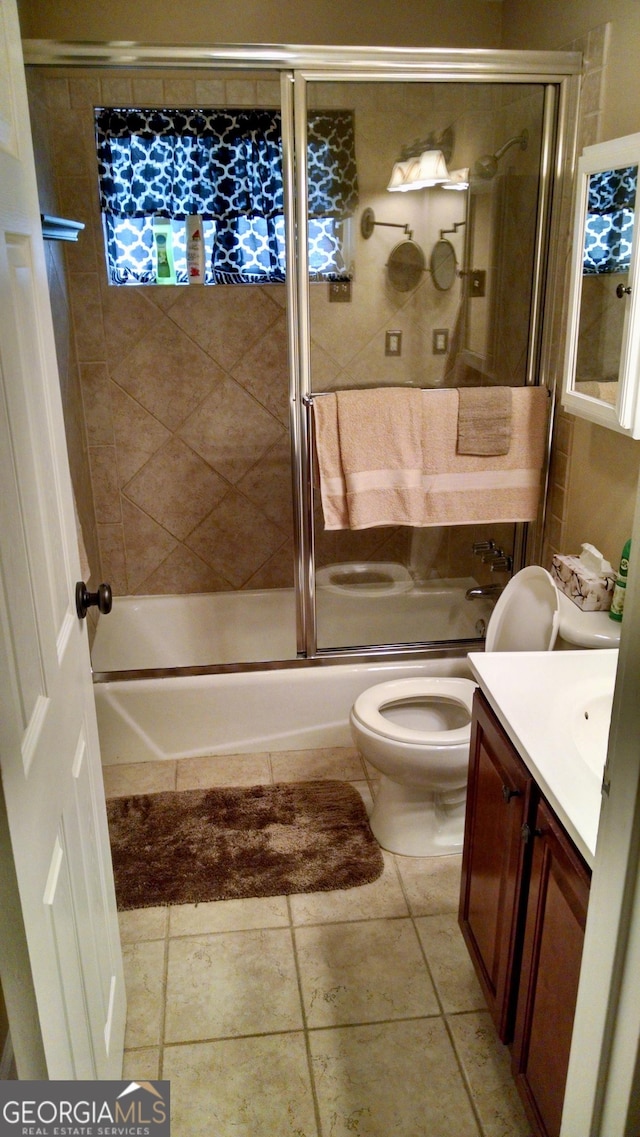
<point>102,599</point>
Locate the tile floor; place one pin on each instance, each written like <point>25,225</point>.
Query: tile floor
<point>329,1014</point>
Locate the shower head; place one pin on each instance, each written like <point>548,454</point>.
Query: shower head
<point>487,166</point>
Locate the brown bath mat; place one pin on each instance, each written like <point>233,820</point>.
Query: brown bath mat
<point>220,844</point>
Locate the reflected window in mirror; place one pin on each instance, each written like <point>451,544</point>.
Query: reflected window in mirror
<point>601,381</point>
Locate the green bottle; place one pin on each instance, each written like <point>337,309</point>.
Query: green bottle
<point>619,590</point>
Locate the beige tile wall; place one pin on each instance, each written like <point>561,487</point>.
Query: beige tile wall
<point>594,47</point>
<point>180,399</point>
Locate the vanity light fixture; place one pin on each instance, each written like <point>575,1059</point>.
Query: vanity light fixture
<point>458,180</point>
<point>422,172</point>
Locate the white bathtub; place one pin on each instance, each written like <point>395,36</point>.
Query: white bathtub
<point>284,709</point>
<point>287,708</point>
<point>259,626</point>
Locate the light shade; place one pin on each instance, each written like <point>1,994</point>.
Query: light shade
<point>458,179</point>
<point>430,169</point>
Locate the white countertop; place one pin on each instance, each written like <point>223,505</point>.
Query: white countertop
<point>555,708</point>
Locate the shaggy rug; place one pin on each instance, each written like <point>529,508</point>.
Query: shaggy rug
<point>220,844</point>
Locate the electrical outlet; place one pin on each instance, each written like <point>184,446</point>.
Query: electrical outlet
<point>340,292</point>
<point>440,341</point>
<point>393,343</point>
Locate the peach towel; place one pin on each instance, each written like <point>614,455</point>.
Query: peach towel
<point>369,448</point>
<point>388,457</point>
<point>463,489</point>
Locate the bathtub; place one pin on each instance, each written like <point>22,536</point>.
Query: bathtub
<point>298,705</point>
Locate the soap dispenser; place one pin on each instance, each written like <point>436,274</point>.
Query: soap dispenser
<point>619,591</point>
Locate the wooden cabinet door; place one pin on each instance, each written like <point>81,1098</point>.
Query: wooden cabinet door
<point>500,798</point>
<point>554,933</point>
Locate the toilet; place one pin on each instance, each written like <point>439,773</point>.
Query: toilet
<point>416,732</point>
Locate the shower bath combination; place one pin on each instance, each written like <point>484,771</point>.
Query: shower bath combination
<point>236,550</point>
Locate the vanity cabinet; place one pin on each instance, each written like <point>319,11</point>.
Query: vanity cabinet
<point>523,906</point>
<point>495,862</point>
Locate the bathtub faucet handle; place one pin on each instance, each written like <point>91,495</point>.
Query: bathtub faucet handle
<point>102,599</point>
<point>503,563</point>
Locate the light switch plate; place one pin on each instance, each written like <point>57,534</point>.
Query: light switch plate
<point>393,343</point>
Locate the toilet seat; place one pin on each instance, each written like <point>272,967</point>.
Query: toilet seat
<point>527,613</point>
<point>368,706</point>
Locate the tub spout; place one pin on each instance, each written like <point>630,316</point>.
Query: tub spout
<point>483,591</point>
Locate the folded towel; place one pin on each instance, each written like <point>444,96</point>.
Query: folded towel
<point>333,490</point>
<point>389,457</point>
<point>380,433</point>
<point>369,451</point>
<point>465,489</point>
<point>484,420</point>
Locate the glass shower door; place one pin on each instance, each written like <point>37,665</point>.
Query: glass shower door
<point>435,294</point>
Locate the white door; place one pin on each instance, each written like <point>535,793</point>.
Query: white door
<point>49,753</point>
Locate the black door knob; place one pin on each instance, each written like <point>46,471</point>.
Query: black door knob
<point>102,599</point>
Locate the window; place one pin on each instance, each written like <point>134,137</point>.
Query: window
<point>226,167</point>
<point>609,226</point>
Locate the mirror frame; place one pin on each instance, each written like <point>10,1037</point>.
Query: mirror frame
<point>625,415</point>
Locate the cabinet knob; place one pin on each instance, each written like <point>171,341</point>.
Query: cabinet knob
<point>527,833</point>
<point>621,291</point>
<point>508,793</point>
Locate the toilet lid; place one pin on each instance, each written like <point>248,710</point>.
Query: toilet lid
<point>370,704</point>
<point>527,613</point>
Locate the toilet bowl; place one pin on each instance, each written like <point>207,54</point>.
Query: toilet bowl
<point>366,578</point>
<point>416,732</point>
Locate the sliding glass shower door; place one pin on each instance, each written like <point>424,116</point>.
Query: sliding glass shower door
<point>436,289</point>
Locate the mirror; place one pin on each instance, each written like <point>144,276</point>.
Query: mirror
<point>405,266</point>
<point>443,265</point>
<point>601,366</point>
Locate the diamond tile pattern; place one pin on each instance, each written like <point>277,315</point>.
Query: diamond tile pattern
<point>230,430</point>
<point>185,391</point>
<point>176,488</point>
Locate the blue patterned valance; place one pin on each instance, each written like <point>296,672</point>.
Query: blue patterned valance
<point>226,166</point>
<point>610,217</point>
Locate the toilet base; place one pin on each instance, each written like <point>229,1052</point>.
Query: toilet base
<point>415,823</point>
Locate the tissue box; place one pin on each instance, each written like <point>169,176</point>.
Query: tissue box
<point>589,590</point>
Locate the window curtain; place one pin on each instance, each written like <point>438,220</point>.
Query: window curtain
<point>609,227</point>
<point>225,165</point>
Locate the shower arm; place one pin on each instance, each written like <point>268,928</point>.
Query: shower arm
<point>519,139</point>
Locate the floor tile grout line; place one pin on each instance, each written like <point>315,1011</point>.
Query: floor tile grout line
<point>165,993</point>
<point>310,1030</point>
<point>463,1074</point>
<point>444,1017</point>
<point>305,1025</point>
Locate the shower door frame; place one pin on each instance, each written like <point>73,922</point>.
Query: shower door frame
<point>559,72</point>
<point>557,153</point>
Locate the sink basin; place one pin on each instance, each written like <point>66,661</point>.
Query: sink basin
<point>589,722</point>
<point>556,708</point>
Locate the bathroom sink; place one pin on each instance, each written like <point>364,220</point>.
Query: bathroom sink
<point>590,720</point>
<point>556,708</point>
